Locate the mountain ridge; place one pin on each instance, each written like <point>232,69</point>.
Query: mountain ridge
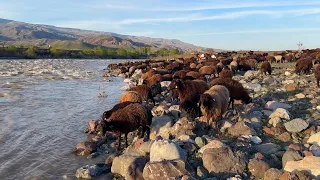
<point>21,33</point>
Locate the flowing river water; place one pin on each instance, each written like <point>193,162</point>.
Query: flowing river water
<point>44,108</point>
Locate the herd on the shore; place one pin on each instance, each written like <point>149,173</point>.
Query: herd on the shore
<point>204,87</point>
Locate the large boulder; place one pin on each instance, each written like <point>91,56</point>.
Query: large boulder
<point>129,166</point>
<point>85,148</point>
<point>213,144</point>
<point>174,169</point>
<point>166,150</point>
<point>309,163</point>
<point>183,127</point>
<point>267,148</point>
<point>251,74</point>
<point>241,128</point>
<point>161,126</point>
<point>296,125</point>
<point>88,172</point>
<point>223,162</point>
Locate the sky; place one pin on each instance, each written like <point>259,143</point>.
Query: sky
<point>221,24</point>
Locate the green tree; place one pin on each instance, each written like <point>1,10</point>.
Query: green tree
<point>54,52</point>
<point>174,52</point>
<point>88,53</point>
<point>12,50</point>
<point>121,52</point>
<point>99,52</point>
<point>31,52</point>
<point>163,52</point>
<point>110,52</point>
<point>133,53</point>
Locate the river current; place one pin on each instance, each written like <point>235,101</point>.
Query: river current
<point>44,108</point>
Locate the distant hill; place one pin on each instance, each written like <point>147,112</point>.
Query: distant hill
<point>19,33</point>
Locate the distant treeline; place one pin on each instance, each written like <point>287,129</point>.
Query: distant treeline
<point>33,52</point>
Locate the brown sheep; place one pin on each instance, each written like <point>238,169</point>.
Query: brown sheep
<point>154,79</point>
<point>127,119</point>
<point>208,70</point>
<point>234,66</point>
<point>189,91</point>
<point>317,74</point>
<point>236,90</point>
<point>131,96</point>
<point>225,73</point>
<point>270,59</point>
<point>167,77</point>
<point>115,108</point>
<point>195,75</point>
<point>266,67</point>
<point>303,65</point>
<point>193,66</point>
<point>180,74</point>
<point>214,103</point>
<point>144,91</point>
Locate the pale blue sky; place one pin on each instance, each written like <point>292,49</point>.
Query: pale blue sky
<point>223,24</point>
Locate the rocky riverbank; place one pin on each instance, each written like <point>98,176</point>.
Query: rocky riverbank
<point>275,137</point>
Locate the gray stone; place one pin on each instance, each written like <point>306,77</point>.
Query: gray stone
<point>251,86</point>
<point>254,119</point>
<point>290,156</point>
<point>275,105</point>
<point>161,126</point>
<point>166,150</point>
<point>268,148</point>
<point>129,166</point>
<point>296,125</point>
<point>241,128</point>
<point>251,74</point>
<point>213,144</point>
<point>272,174</point>
<point>315,149</point>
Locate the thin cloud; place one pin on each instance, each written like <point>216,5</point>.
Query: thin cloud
<point>256,31</point>
<point>203,6</point>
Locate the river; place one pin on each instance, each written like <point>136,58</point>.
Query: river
<point>44,108</point>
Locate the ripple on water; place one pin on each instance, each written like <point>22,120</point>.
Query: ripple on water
<point>44,120</point>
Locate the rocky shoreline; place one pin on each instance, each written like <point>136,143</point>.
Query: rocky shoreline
<point>275,137</point>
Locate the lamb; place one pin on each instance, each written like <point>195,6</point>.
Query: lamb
<point>236,90</point>
<point>266,67</point>
<point>189,91</point>
<point>225,73</point>
<point>131,96</point>
<point>303,65</point>
<point>144,91</point>
<point>317,74</point>
<point>127,119</point>
<point>214,103</point>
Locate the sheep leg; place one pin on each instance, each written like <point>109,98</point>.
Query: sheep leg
<point>119,141</point>
<point>126,138</point>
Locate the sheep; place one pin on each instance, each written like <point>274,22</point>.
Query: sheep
<point>180,74</point>
<point>225,73</point>
<point>131,96</point>
<point>127,119</point>
<point>214,103</point>
<point>144,91</point>
<point>118,106</point>
<point>189,91</point>
<point>303,65</point>
<point>167,77</point>
<point>249,64</point>
<point>317,74</point>
<point>208,70</point>
<point>279,58</point>
<point>270,59</point>
<point>234,66</point>
<point>195,75</point>
<point>155,90</point>
<point>266,67</point>
<point>153,79</point>
<point>236,90</point>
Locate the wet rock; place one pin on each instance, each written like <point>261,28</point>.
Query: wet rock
<point>202,172</point>
<point>285,137</point>
<point>241,128</point>
<point>83,173</point>
<point>272,174</point>
<point>161,126</point>
<point>200,142</point>
<point>85,148</point>
<point>300,96</point>
<point>268,148</point>
<point>291,87</point>
<point>296,125</point>
<point>183,127</point>
<point>258,167</point>
<point>275,105</point>
<point>314,138</point>
<point>223,162</point>
<point>290,156</point>
<point>88,172</point>
<point>166,150</point>
<point>309,163</point>
<point>213,144</point>
<point>128,166</point>
<point>315,149</point>
<point>166,170</point>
